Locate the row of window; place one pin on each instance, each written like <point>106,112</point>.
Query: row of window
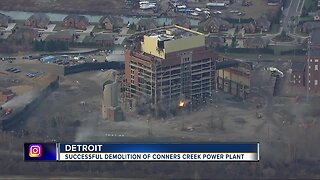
<point>315,82</point>
<point>316,67</point>
<point>316,60</point>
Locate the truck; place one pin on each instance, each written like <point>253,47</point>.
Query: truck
<point>8,111</point>
<point>5,111</point>
<point>274,71</point>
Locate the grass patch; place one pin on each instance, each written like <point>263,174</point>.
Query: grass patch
<point>19,23</point>
<point>309,3</point>
<point>131,31</point>
<point>306,18</point>
<point>97,28</point>
<point>297,31</point>
<point>59,26</point>
<point>279,49</point>
<point>275,28</point>
<point>87,39</point>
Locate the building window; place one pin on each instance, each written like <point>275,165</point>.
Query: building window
<point>299,82</point>
<point>186,60</point>
<point>310,60</point>
<point>315,82</point>
<point>316,67</point>
<point>316,60</point>
<point>294,76</point>
<point>299,76</point>
<point>294,81</point>
<point>309,74</point>
<point>132,81</point>
<point>309,67</point>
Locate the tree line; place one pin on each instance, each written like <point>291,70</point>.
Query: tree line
<point>50,45</point>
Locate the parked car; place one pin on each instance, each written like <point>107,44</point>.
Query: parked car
<point>10,69</point>
<point>16,71</point>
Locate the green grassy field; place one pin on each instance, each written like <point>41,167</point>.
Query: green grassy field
<point>309,3</point>
<point>275,28</point>
<point>278,49</point>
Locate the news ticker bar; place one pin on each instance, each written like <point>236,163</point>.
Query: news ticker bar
<point>141,152</point>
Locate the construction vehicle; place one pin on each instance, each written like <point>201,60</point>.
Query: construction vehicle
<point>274,71</point>
<point>8,111</point>
<point>5,112</point>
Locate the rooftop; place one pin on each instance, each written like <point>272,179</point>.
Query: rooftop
<point>65,34</point>
<point>315,37</point>
<point>314,52</point>
<point>103,37</point>
<point>298,66</point>
<point>172,33</point>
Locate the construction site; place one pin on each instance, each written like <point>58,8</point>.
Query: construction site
<point>169,65</point>
<point>171,90</point>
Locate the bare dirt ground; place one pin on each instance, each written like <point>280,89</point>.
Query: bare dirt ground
<point>288,148</point>
<point>68,6</point>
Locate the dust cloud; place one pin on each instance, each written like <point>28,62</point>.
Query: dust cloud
<point>88,127</point>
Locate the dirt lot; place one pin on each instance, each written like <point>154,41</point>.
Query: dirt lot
<point>284,141</point>
<point>68,6</point>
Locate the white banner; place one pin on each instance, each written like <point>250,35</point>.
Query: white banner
<point>158,157</point>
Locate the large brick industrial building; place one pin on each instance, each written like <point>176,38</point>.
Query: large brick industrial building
<point>307,74</point>
<point>169,63</point>
<point>313,73</point>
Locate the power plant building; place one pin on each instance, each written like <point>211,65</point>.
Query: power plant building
<point>110,105</point>
<point>168,63</point>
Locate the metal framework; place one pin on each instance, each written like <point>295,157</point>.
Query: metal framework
<point>194,80</point>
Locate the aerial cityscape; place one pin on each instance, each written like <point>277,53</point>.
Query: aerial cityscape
<point>155,71</point>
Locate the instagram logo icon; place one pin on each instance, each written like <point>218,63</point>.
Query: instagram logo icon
<point>35,150</point>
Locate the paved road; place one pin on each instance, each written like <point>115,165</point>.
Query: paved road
<point>292,11</point>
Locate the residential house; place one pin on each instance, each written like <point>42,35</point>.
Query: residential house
<point>262,24</point>
<point>110,22</point>
<point>6,95</point>
<point>146,24</point>
<point>4,20</point>
<point>25,34</point>
<point>65,35</point>
<point>182,21</point>
<point>298,74</point>
<point>256,42</point>
<point>104,39</point>
<point>39,20</point>
<point>76,21</point>
<point>215,25</point>
<point>214,41</point>
<point>249,28</point>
